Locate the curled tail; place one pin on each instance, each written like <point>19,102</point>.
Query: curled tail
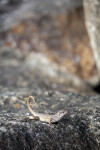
<point>29,105</point>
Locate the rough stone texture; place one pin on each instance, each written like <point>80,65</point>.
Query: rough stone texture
<point>79,129</point>
<point>92,13</point>
<point>21,76</point>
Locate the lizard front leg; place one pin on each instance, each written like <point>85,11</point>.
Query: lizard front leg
<point>45,118</point>
<point>33,117</point>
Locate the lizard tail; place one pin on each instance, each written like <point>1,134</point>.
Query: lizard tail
<point>29,105</point>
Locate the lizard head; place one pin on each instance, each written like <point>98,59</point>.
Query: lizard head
<point>58,116</point>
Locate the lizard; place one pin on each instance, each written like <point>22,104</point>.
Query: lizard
<point>44,117</point>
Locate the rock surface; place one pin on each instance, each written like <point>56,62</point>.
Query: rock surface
<point>92,13</point>
<point>79,129</point>
<point>21,77</point>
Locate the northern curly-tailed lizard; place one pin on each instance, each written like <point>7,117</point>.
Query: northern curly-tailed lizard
<point>44,117</point>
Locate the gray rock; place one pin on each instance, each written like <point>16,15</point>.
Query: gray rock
<point>78,129</point>
<point>92,14</point>
<point>13,12</point>
<point>20,76</point>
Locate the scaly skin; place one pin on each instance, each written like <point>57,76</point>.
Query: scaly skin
<point>44,117</point>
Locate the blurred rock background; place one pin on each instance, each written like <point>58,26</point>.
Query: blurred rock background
<point>45,51</point>
<point>55,29</point>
